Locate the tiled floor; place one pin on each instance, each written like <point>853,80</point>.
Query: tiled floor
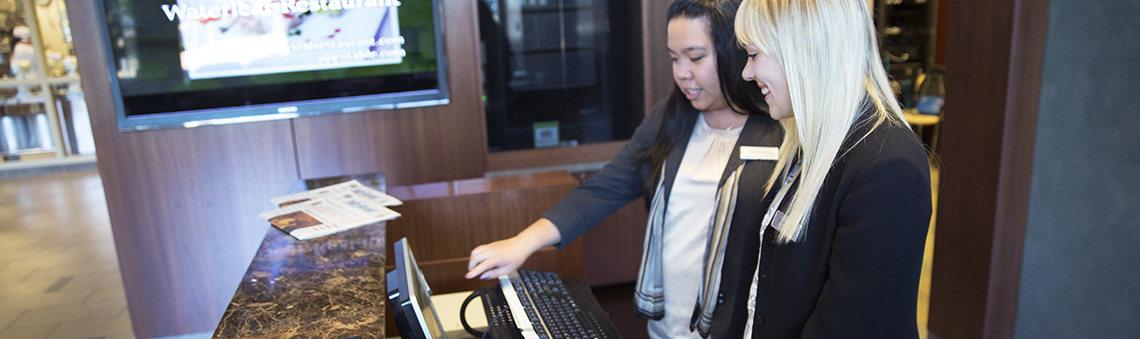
<point>59,276</point>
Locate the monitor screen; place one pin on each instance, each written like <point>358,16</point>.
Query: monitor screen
<point>192,62</point>
<point>411,297</point>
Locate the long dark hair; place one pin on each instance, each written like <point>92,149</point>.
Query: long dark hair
<point>730,60</point>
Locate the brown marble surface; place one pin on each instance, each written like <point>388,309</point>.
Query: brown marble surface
<point>328,287</point>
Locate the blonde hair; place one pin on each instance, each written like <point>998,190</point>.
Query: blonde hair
<point>830,55</point>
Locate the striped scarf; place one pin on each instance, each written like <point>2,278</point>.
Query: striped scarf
<point>650,295</point>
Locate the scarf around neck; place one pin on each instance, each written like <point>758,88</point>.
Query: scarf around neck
<point>650,294</point>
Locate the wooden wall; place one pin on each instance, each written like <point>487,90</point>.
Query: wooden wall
<point>183,203</point>
<point>417,145</point>
<point>658,66</point>
<point>993,65</point>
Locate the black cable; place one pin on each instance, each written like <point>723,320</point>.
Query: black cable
<point>463,317</point>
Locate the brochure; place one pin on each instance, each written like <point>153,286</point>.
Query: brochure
<point>331,209</point>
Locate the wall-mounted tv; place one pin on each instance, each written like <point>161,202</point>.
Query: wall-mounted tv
<point>186,63</point>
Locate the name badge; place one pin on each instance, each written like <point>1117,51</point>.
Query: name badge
<point>778,222</point>
<point>759,153</point>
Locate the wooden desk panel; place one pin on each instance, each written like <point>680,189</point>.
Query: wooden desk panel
<point>445,221</point>
<point>480,185</point>
<point>611,251</point>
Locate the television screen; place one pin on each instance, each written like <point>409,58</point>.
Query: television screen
<point>193,62</point>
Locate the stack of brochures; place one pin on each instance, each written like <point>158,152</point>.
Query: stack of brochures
<point>330,209</point>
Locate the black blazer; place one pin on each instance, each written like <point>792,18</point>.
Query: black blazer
<point>855,273</point>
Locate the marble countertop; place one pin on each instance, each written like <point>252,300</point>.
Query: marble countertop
<point>327,287</point>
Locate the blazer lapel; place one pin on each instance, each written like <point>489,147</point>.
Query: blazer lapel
<point>673,162</point>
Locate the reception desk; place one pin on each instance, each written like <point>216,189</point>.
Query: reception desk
<point>328,287</point>
<point>334,287</point>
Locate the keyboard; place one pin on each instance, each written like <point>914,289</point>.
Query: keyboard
<point>544,307</point>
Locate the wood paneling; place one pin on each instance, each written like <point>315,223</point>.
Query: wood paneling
<point>658,66</point>
<point>183,203</point>
<point>611,251</point>
<point>477,186</point>
<point>993,65</point>
<point>1018,140</point>
<point>444,221</point>
<point>940,31</point>
<point>415,145</point>
<point>548,157</point>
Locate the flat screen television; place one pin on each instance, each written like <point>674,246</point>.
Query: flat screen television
<point>185,63</point>
<point>411,297</point>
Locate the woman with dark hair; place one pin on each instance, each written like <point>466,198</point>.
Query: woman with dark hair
<point>702,158</point>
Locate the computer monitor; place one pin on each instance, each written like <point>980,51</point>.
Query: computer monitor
<point>411,297</point>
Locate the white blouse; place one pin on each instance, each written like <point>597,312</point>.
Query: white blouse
<point>688,219</point>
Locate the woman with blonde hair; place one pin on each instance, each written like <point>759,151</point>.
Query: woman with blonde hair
<point>842,242</point>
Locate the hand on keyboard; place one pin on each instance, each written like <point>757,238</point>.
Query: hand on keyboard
<point>497,258</point>
<point>504,256</point>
